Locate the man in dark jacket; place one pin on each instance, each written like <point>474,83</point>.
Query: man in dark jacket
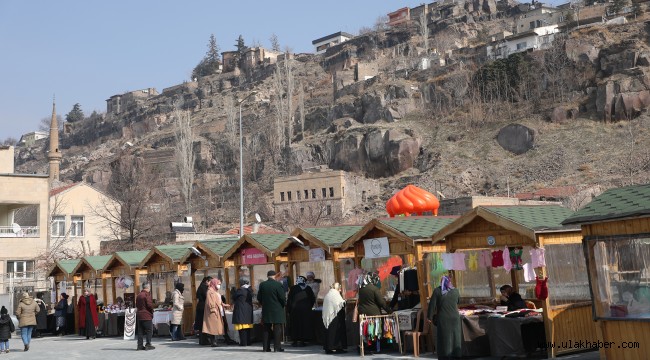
<point>144,315</point>
<point>272,298</point>
<point>201,294</point>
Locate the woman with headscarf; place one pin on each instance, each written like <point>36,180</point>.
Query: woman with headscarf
<point>213,312</point>
<point>334,320</point>
<point>242,314</point>
<point>60,313</point>
<point>201,294</point>
<point>370,300</point>
<point>26,313</point>
<point>443,311</point>
<point>299,304</point>
<point>88,319</point>
<point>178,304</point>
<point>41,317</point>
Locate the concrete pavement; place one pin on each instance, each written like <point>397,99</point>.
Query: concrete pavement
<point>74,347</point>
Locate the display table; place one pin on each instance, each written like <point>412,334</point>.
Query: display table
<point>161,322</point>
<point>475,341</point>
<point>111,324</point>
<point>257,320</point>
<point>515,336</point>
<point>407,318</point>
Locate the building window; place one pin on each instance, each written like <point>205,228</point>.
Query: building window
<point>324,191</point>
<point>77,226</point>
<point>521,45</point>
<point>306,194</point>
<point>288,195</point>
<point>331,192</point>
<point>302,210</point>
<point>21,269</point>
<point>531,25</point>
<point>313,193</point>
<point>363,196</point>
<point>282,196</point>
<point>343,191</point>
<point>58,225</point>
<point>329,209</point>
<point>298,194</point>
<point>286,213</point>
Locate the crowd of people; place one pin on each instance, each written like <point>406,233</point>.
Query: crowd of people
<point>277,307</point>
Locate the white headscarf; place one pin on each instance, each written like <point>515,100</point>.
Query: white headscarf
<point>332,304</point>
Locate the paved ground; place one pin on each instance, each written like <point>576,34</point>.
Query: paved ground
<point>74,347</point>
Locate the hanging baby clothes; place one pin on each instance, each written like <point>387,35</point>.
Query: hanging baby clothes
<point>353,279</point>
<point>472,263</point>
<point>515,258</point>
<point>507,264</point>
<point>529,272</point>
<point>485,259</point>
<point>537,257</point>
<point>459,261</point>
<point>541,289</point>
<point>497,258</point>
<point>448,261</point>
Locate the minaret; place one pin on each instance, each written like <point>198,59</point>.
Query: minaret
<point>54,156</point>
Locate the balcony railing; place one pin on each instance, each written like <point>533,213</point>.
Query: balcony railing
<point>25,231</point>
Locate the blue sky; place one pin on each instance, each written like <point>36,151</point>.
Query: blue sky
<point>86,51</point>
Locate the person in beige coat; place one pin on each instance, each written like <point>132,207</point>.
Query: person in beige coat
<point>26,313</point>
<point>178,301</point>
<point>214,313</point>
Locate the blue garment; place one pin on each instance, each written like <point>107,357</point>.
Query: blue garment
<point>4,345</point>
<point>176,332</point>
<point>26,333</point>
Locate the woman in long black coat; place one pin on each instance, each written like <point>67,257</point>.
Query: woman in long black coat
<point>201,295</point>
<point>242,314</point>
<point>41,317</point>
<point>301,299</point>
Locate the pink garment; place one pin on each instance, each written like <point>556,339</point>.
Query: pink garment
<point>529,272</point>
<point>507,263</point>
<point>537,257</point>
<point>485,259</point>
<point>459,261</point>
<point>353,279</point>
<point>448,261</point>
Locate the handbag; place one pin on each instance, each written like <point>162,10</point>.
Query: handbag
<point>355,312</point>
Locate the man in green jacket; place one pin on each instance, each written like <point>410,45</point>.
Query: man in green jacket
<point>272,298</point>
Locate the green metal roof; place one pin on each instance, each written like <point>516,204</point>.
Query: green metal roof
<point>620,203</point>
<point>68,265</point>
<point>98,262</point>
<point>418,227</point>
<point>219,246</point>
<point>132,258</point>
<point>270,241</point>
<point>534,217</point>
<point>333,235</point>
<point>175,252</point>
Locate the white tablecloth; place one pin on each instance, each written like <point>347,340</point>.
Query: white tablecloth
<point>406,318</point>
<point>162,317</point>
<point>257,318</point>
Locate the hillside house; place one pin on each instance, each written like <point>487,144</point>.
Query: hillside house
<point>22,241</point>
<point>256,56</point>
<point>540,16</point>
<point>536,39</point>
<point>399,17</point>
<point>29,139</point>
<point>324,43</point>
<point>324,193</point>
<point>120,103</point>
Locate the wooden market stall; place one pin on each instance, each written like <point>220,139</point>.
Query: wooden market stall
<point>163,268</point>
<point>408,239</point>
<point>63,273</point>
<point>123,264</point>
<point>320,252</point>
<point>208,261</point>
<point>566,310</point>
<point>253,255</point>
<point>90,271</point>
<point>616,240</point>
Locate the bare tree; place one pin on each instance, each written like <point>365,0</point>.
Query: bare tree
<point>44,123</point>
<point>381,23</point>
<point>185,154</point>
<point>423,24</point>
<point>130,216</point>
<point>301,106</point>
<point>9,141</point>
<point>310,213</point>
<point>275,43</point>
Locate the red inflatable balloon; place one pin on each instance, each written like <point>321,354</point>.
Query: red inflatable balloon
<point>412,200</point>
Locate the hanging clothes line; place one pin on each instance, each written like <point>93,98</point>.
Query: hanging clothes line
<point>377,327</point>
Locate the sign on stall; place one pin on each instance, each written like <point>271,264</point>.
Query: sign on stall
<point>253,256</point>
<point>317,254</point>
<point>376,248</point>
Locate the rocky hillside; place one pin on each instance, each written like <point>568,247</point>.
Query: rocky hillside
<point>581,107</point>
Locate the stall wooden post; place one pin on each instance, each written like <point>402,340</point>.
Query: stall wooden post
<point>336,265</point>
<point>136,281</point>
<point>74,304</point>
<point>113,286</point>
<point>104,292</point>
<point>419,258</point>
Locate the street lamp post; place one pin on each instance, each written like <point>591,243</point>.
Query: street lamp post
<point>241,169</point>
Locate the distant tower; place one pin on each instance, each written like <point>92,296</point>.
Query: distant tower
<point>54,156</point>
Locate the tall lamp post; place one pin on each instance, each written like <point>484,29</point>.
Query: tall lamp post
<point>241,168</point>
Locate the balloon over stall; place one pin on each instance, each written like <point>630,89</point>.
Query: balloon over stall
<point>412,200</point>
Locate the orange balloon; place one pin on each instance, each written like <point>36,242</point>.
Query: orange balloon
<point>412,200</point>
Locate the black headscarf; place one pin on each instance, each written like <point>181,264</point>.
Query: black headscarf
<point>180,287</point>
